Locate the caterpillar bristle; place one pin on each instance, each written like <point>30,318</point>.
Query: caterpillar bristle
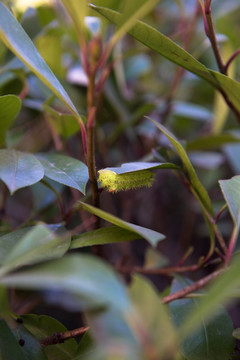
<point>114,182</point>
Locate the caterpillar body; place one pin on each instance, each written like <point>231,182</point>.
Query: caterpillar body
<point>114,182</point>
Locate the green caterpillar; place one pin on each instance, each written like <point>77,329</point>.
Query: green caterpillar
<point>114,182</point>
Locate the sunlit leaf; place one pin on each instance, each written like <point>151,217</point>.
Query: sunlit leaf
<point>16,39</point>
<point>9,108</point>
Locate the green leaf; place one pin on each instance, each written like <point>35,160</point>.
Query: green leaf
<point>9,108</point>
<point>18,169</point>
<point>9,347</point>
<point>231,192</point>
<point>195,182</point>
<point>90,282</point>
<point>152,236</point>
<point>212,141</point>
<point>161,44</point>
<point>140,166</point>
<point>15,38</point>
<point>220,291</point>
<point>32,348</point>
<point>37,245</point>
<point>107,235</point>
<point>213,339</point>
<point>153,316</point>
<point>65,170</point>
<point>64,124</point>
<point>132,11</point>
<point>43,326</point>
<point>77,10</point>
<point>170,50</point>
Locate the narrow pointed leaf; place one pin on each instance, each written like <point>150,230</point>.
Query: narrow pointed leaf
<point>9,108</point>
<point>161,44</point>
<point>18,169</point>
<point>195,182</point>
<point>65,170</point>
<point>156,41</point>
<point>77,10</point>
<point>152,236</point>
<point>107,235</point>
<point>16,39</point>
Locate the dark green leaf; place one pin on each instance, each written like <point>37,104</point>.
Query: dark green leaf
<point>15,38</point>
<point>43,326</point>
<point>107,235</point>
<point>89,281</point>
<point>37,245</point>
<point>31,347</point>
<point>65,170</point>
<point>18,169</point>
<point>213,340</point>
<point>9,347</point>
<point>152,236</point>
<point>9,108</point>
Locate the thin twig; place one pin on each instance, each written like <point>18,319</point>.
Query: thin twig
<point>191,288</point>
<point>60,337</point>
<point>232,57</point>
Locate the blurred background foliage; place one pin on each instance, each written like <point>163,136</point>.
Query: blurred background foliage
<point>141,83</point>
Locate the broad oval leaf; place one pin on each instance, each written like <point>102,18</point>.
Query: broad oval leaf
<point>16,39</point>
<point>9,108</point>
<point>65,170</point>
<point>42,326</point>
<point>213,339</point>
<point>231,192</point>
<point>18,169</point>
<point>88,281</point>
<point>150,235</point>
<point>37,245</point>
<point>107,235</point>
